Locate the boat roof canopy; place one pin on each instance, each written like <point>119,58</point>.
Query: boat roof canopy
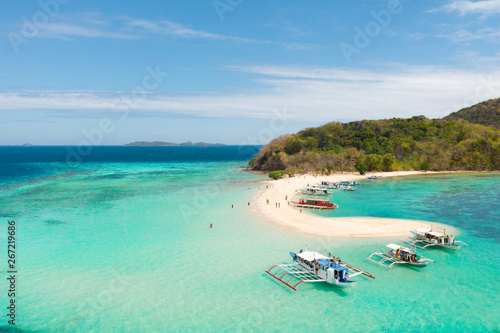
<point>397,247</point>
<point>326,263</point>
<point>430,232</point>
<point>311,255</point>
<point>393,246</point>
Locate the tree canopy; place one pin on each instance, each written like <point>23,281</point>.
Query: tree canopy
<point>486,113</point>
<point>415,143</point>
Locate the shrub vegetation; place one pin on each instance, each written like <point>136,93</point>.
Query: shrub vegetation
<point>415,143</point>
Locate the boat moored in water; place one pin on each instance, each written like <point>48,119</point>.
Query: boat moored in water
<point>315,190</point>
<point>329,185</point>
<point>349,183</point>
<point>314,203</point>
<point>311,266</point>
<point>348,188</point>
<point>423,238</point>
<point>397,254</point>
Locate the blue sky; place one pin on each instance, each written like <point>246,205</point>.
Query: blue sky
<point>236,71</point>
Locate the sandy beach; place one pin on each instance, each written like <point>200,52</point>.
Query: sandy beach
<point>290,217</point>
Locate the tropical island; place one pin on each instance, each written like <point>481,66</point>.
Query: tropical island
<point>171,144</point>
<point>387,148</point>
<point>467,140</point>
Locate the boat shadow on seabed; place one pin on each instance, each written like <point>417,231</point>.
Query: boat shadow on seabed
<point>318,287</point>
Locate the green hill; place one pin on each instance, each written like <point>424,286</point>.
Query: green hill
<point>416,143</point>
<point>486,113</point>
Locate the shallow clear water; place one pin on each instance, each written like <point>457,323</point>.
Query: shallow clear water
<point>470,202</point>
<point>124,244</point>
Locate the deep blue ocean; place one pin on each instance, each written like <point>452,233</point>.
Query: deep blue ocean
<point>118,239</point>
<point>26,162</point>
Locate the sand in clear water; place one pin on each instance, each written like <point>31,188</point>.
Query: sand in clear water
<point>275,203</point>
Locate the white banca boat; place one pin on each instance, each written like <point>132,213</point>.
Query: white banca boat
<point>314,203</point>
<point>329,185</point>
<point>311,266</point>
<point>397,254</point>
<point>349,183</point>
<point>428,237</point>
<point>374,177</point>
<point>348,188</point>
<point>315,190</point>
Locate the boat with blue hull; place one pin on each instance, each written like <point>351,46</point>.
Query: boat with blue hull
<point>329,185</point>
<point>311,266</point>
<point>349,183</point>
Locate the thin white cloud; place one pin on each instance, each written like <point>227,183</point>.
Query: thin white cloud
<point>464,7</point>
<point>473,58</point>
<point>165,27</point>
<point>69,31</point>
<point>309,94</point>
<point>463,35</point>
<point>89,25</point>
<point>94,25</point>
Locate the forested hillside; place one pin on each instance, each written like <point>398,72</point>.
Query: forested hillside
<point>486,113</point>
<point>416,143</point>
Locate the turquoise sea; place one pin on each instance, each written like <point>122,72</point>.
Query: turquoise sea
<point>120,241</point>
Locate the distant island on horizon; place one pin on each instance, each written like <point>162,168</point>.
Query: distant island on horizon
<point>161,143</point>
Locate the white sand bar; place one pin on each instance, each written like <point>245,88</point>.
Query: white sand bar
<point>290,217</point>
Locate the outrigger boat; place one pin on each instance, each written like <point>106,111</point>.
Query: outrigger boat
<point>314,190</point>
<point>433,238</point>
<point>329,185</point>
<point>349,183</point>
<point>348,188</point>
<point>398,254</point>
<point>311,266</point>
<point>374,177</point>
<point>314,203</point>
